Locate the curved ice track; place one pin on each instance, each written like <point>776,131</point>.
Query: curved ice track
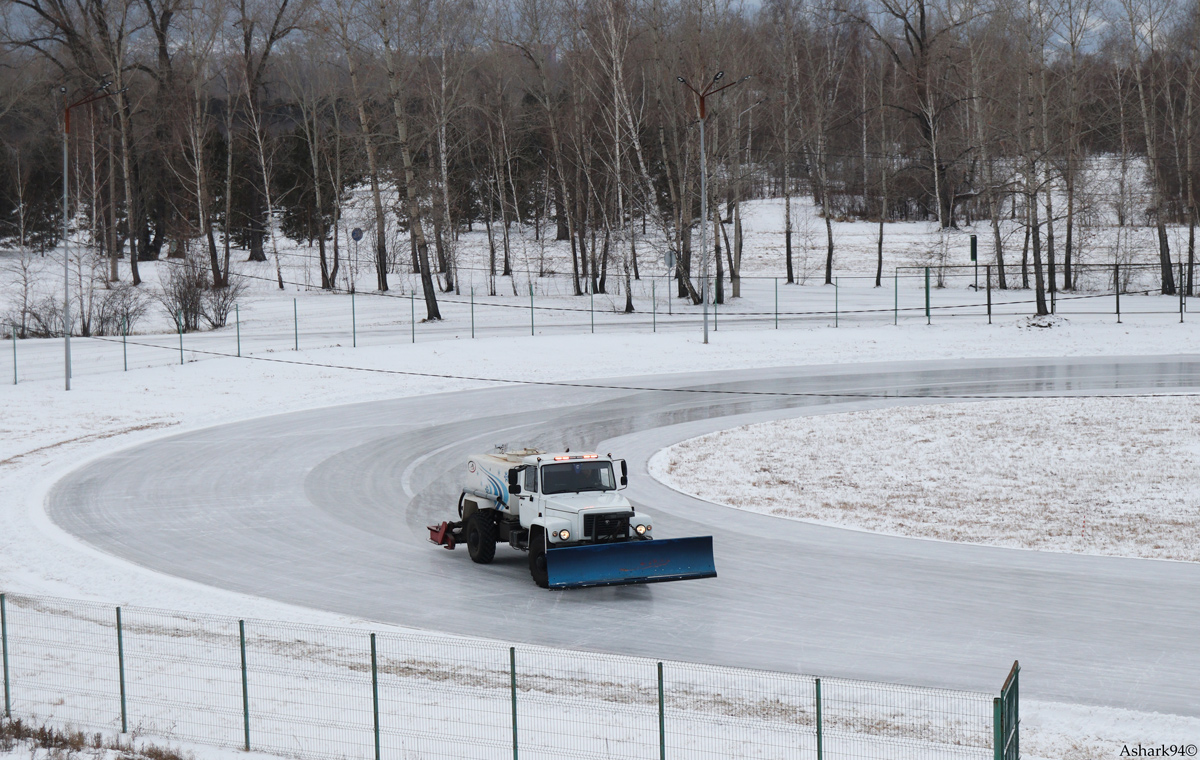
<point>327,508</point>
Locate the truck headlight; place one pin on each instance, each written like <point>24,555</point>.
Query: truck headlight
<point>563,535</point>
<point>641,529</point>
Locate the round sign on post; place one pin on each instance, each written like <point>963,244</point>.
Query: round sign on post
<point>356,233</point>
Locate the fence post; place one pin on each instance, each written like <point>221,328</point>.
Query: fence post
<point>989,292</point>
<point>472,312</point>
<point>512,673</point>
<point>237,316</point>
<point>14,340</point>
<point>896,295</point>
<point>662,718</point>
<point>1117,289</point>
<point>412,303</point>
<point>245,684</point>
<point>296,324</point>
<point>835,301</point>
<point>121,672</point>
<point>653,310</point>
<point>4,640</point>
<point>375,694</point>
<point>179,324</point>
<point>997,733</point>
<point>124,347</point>
<point>776,303</point>
<point>353,321</point>
<point>714,314</point>
<point>531,329</point>
<point>820,730</point>
<point>591,309</point>
<point>928,318</point>
<point>1180,293</point>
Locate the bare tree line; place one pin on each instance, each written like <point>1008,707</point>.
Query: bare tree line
<point>236,123</point>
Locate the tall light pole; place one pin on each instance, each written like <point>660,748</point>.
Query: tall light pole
<point>710,89</point>
<point>100,93</point>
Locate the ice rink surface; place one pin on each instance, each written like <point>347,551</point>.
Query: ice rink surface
<point>328,508</point>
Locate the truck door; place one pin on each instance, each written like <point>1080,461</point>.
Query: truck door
<point>529,490</point>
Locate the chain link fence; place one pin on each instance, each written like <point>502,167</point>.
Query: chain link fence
<point>326,693</point>
<point>907,295</point>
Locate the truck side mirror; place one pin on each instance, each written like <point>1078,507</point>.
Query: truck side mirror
<point>624,474</point>
<point>514,487</point>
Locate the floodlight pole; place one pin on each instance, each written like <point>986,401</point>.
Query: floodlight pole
<point>101,92</point>
<point>703,112</point>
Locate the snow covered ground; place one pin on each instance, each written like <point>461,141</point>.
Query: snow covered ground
<point>45,432</point>
<point>1116,476</point>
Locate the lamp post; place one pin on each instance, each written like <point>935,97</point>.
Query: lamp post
<point>100,93</point>
<point>710,89</point>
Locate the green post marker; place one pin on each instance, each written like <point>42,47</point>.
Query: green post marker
<point>472,312</point>
<point>237,315</point>
<point>928,318</point>
<point>531,332</point>
<point>14,339</point>
<point>296,324</point>
<point>896,296</point>
<point>776,303</point>
<point>662,718</point>
<point>1117,289</point>
<point>121,672</point>
<point>512,673</point>
<point>835,301</point>
<point>124,347</point>
<point>353,321</point>
<point>989,292</point>
<point>412,303</point>
<point>179,324</point>
<point>1180,292</point>
<point>591,311</point>
<point>245,683</point>
<point>4,640</point>
<point>820,728</point>
<point>975,260</point>
<point>997,731</point>
<point>375,694</point>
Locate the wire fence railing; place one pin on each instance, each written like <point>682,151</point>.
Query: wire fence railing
<point>315,319</point>
<point>327,693</point>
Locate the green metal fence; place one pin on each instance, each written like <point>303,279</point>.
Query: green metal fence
<point>329,693</point>
<point>1007,718</point>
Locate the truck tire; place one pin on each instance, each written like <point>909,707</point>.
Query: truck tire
<point>481,538</point>
<point>537,557</point>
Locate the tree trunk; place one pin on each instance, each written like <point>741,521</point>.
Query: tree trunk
<point>131,199</point>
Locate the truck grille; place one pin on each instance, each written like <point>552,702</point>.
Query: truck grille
<point>612,526</point>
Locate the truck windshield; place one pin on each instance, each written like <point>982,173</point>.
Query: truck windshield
<point>573,477</point>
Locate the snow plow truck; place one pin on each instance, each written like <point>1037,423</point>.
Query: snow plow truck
<point>566,511</point>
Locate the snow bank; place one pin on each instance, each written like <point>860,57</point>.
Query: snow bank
<point>1115,476</point>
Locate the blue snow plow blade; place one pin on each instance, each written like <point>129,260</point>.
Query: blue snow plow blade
<point>671,559</point>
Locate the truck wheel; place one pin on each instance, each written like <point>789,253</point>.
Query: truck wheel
<point>537,558</point>
<point>481,538</point>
